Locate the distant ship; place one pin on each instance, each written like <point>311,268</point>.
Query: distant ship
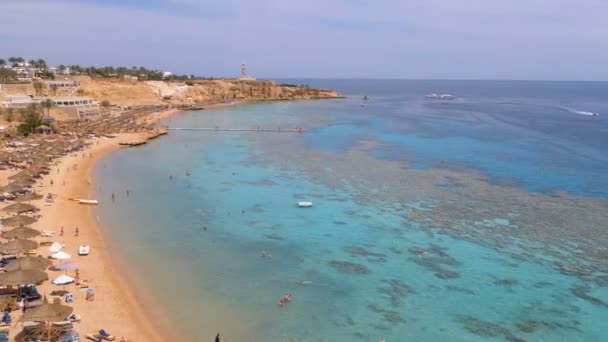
<point>434,96</point>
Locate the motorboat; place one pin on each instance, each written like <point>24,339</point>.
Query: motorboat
<point>434,96</point>
<point>304,204</point>
<point>84,250</point>
<point>88,202</point>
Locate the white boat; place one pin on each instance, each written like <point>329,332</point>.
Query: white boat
<point>434,96</point>
<point>84,250</point>
<point>304,204</point>
<point>89,202</point>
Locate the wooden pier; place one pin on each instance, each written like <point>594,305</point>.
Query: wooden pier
<point>218,129</point>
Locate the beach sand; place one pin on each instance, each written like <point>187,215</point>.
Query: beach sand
<point>115,307</point>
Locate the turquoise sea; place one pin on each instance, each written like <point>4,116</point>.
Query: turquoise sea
<point>479,219</point>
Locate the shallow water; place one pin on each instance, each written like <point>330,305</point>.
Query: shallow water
<point>431,221</point>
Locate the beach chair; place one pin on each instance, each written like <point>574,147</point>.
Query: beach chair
<point>74,318</point>
<point>4,331</point>
<point>67,325</point>
<point>106,336</point>
<point>70,336</point>
<point>95,338</point>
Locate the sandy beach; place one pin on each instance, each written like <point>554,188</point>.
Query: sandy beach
<point>115,307</point>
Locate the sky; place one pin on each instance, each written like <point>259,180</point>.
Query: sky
<point>435,39</point>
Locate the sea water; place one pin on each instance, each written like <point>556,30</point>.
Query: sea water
<point>481,218</point>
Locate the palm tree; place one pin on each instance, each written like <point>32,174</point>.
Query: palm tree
<point>15,61</point>
<point>47,104</point>
<point>2,62</point>
<point>41,63</point>
<point>38,86</point>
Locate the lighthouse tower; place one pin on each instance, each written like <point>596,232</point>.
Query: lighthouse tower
<point>244,75</point>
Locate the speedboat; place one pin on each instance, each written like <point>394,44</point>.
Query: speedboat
<point>304,204</point>
<point>434,96</point>
<point>88,202</point>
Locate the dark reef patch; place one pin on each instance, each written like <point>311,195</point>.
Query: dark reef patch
<point>486,329</point>
<point>349,267</point>
<point>396,290</point>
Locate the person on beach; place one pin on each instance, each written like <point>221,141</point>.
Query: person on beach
<point>76,232</point>
<point>113,197</point>
<point>61,231</point>
<point>127,192</point>
<point>217,337</point>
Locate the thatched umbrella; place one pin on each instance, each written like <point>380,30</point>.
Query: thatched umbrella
<point>23,276</point>
<point>13,188</point>
<point>19,220</point>
<point>18,246</point>
<point>47,313</point>
<point>19,208</point>
<point>25,183</point>
<point>28,197</point>
<point>29,262</point>
<point>21,233</point>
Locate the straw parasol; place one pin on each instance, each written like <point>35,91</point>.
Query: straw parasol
<point>13,188</point>
<point>29,262</point>
<point>18,246</point>
<point>23,276</point>
<point>28,197</point>
<point>19,220</point>
<point>21,233</point>
<point>19,208</point>
<point>45,313</point>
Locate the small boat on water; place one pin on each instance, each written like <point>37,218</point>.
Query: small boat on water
<point>434,96</point>
<point>304,204</point>
<point>88,202</point>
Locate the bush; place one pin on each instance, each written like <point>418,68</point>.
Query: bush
<point>105,103</point>
<point>32,118</point>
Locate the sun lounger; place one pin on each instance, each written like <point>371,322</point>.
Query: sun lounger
<point>106,336</point>
<point>92,337</point>
<point>74,318</point>
<point>4,335</point>
<point>63,324</point>
<point>70,336</point>
<point>84,250</point>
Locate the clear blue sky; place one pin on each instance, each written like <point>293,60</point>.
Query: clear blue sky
<point>447,39</point>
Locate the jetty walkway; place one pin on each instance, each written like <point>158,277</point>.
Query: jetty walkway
<point>218,129</point>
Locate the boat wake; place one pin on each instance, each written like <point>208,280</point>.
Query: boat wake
<point>581,112</point>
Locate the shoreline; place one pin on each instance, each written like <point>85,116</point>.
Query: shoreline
<point>116,307</point>
<point>119,306</point>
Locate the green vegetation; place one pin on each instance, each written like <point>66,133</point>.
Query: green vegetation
<point>7,75</point>
<point>47,104</point>
<point>105,103</point>
<point>38,88</point>
<point>31,118</point>
<point>9,115</point>
<point>42,70</point>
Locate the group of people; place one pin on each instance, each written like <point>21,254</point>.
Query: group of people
<point>76,231</point>
<point>288,297</point>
